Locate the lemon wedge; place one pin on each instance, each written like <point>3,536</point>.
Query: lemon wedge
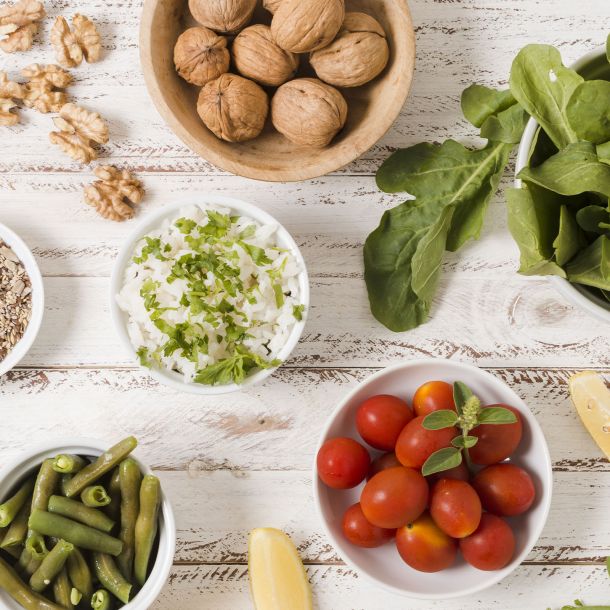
<point>278,580</point>
<point>591,397</point>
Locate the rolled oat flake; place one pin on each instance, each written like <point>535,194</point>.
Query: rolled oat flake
<point>15,300</point>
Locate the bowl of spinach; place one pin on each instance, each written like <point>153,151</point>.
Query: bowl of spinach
<point>559,210</point>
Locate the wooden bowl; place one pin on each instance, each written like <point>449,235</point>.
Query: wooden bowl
<point>372,107</point>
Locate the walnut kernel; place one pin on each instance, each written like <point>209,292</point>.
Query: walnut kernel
<point>115,194</point>
<point>9,91</point>
<point>73,45</point>
<point>19,24</point>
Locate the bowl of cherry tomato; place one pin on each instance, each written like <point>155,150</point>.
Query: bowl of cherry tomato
<point>433,479</point>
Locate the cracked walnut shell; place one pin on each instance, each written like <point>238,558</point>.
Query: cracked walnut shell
<point>73,45</point>
<point>356,56</point>
<point>200,55</point>
<point>257,56</point>
<point>40,90</point>
<point>9,91</point>
<point>228,16</point>
<point>115,194</point>
<point>78,128</point>
<point>19,24</point>
<point>233,108</point>
<point>301,26</point>
<point>308,112</point>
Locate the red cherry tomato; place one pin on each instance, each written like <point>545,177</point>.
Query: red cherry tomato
<point>361,532</point>
<point>496,442</point>
<point>455,507</point>
<point>424,546</point>
<point>459,473</point>
<point>433,396</point>
<point>394,497</point>
<point>492,545</point>
<point>383,462</point>
<point>380,419</point>
<point>504,489</point>
<point>416,444</point>
<point>342,463</point>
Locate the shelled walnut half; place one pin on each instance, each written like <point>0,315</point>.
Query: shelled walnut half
<point>19,24</point>
<point>73,45</point>
<point>115,194</point>
<point>78,128</point>
<point>41,89</point>
<point>9,92</point>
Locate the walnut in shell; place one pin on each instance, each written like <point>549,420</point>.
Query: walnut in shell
<point>356,56</point>
<point>272,5</point>
<point>228,16</point>
<point>18,24</point>
<point>233,108</point>
<point>308,112</point>
<point>301,26</point>
<point>78,128</point>
<point>73,45</point>
<point>9,92</point>
<point>257,56</point>
<point>200,55</point>
<point>41,90</point>
<point>116,194</point>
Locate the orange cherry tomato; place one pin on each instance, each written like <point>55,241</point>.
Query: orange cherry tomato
<point>455,507</point>
<point>342,463</point>
<point>505,489</point>
<point>383,462</point>
<point>361,532</point>
<point>416,444</point>
<point>492,545</point>
<point>496,442</point>
<point>424,546</point>
<point>394,497</point>
<point>433,396</point>
<point>380,419</point>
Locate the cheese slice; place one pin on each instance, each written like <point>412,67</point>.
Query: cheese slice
<point>591,397</point>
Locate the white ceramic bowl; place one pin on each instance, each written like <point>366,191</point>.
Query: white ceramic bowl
<point>27,258</point>
<point>151,222</point>
<point>591,65</point>
<point>17,469</point>
<point>383,566</point>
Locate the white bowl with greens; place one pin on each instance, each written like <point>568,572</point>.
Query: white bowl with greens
<point>210,294</point>
<point>559,213</point>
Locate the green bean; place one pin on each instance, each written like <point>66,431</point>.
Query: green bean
<point>130,479</point>
<point>13,551</point>
<point>110,577</point>
<point>101,600</point>
<point>105,463</point>
<point>79,535</point>
<point>65,478</point>
<point>147,525</point>
<point>46,482</point>
<point>51,566</point>
<point>80,574</point>
<point>62,590</point>
<point>64,463</point>
<point>95,496</point>
<point>10,508</point>
<point>73,509</point>
<point>113,510</point>
<point>20,592</point>
<point>15,534</point>
<point>28,564</point>
<point>75,596</point>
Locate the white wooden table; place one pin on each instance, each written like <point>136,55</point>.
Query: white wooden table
<point>236,462</point>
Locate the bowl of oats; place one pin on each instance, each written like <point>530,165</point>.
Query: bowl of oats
<point>21,299</point>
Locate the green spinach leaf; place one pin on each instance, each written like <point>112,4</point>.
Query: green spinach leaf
<point>543,86</point>
<point>592,266</point>
<point>594,219</point>
<point>507,126</point>
<point>570,239</point>
<point>479,103</point>
<point>589,111</point>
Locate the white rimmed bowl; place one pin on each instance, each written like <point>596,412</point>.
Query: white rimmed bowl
<point>153,221</point>
<point>383,566</point>
<point>24,254</point>
<point>592,65</point>
<point>17,469</point>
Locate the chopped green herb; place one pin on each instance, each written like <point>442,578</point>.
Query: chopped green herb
<point>297,312</point>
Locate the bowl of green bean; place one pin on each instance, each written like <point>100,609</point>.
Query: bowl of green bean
<point>83,526</point>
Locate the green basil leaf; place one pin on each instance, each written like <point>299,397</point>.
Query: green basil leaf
<point>461,393</point>
<point>575,169</point>
<point>570,240</point>
<point>441,460</point>
<point>479,103</point>
<point>465,442</point>
<point>438,420</point>
<point>543,86</point>
<point>496,415</point>
<point>507,126</point>
<point>589,111</point>
<point>534,223</point>
<point>592,266</point>
<point>591,217</point>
